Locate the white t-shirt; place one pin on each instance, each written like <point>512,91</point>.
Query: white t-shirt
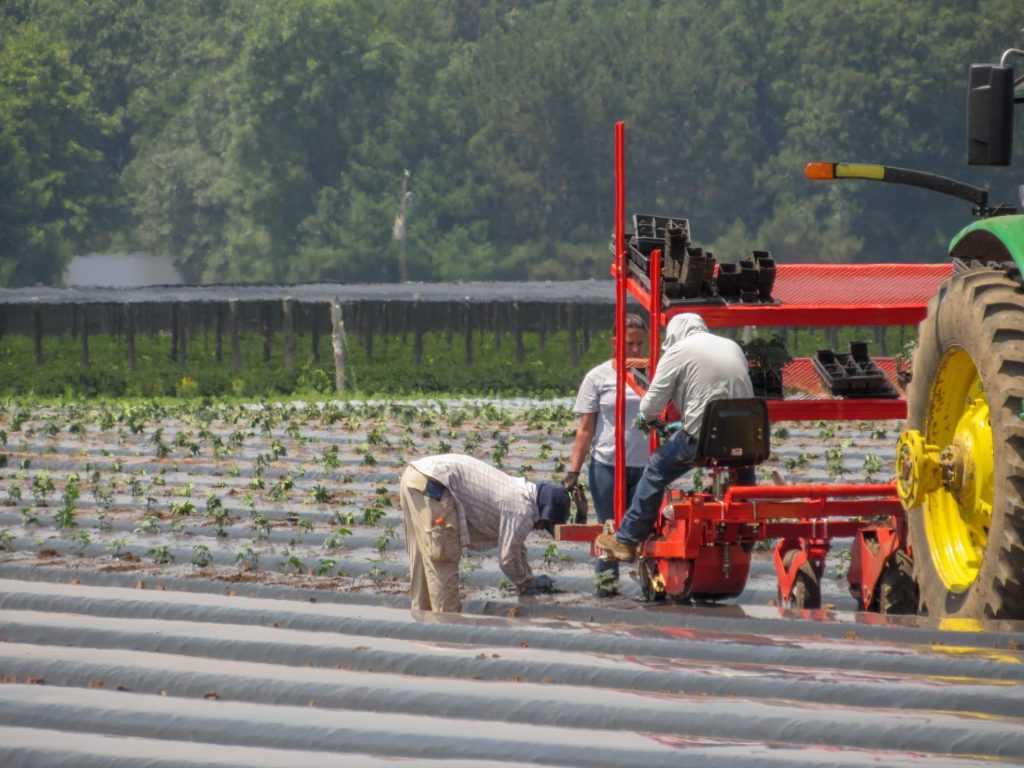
<point>597,395</point>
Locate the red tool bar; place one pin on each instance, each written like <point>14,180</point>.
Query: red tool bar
<point>813,529</point>
<point>817,491</point>
<point>866,409</point>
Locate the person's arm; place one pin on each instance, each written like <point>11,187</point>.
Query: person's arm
<point>659,394</point>
<point>512,534</point>
<point>585,430</point>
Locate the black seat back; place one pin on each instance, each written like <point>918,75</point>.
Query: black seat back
<point>735,433</point>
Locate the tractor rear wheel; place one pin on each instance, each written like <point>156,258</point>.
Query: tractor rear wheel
<point>966,527</point>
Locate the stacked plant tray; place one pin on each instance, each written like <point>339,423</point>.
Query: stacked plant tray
<point>852,374</point>
<point>688,272</point>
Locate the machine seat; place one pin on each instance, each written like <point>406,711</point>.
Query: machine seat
<point>735,433</point>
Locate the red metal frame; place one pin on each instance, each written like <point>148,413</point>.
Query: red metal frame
<point>620,321</point>
<point>702,545</point>
<point>827,295</point>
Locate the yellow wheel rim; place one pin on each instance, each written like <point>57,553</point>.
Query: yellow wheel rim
<point>958,514</point>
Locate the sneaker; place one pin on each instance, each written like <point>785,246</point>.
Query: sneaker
<point>624,552</point>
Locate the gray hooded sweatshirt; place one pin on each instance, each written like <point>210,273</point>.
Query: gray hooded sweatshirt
<point>695,367</point>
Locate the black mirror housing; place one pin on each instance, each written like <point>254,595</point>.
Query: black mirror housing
<point>989,115</point>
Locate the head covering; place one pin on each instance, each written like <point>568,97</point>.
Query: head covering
<point>681,326</point>
<point>552,504</point>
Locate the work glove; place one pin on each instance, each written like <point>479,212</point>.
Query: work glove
<point>579,501</point>
<point>665,431</point>
<point>570,480</point>
<point>644,425</point>
<point>537,585</point>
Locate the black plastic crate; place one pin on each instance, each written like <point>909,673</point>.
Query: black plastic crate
<point>852,374</point>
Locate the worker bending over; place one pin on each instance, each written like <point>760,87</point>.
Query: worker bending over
<point>453,501</point>
<point>696,367</point>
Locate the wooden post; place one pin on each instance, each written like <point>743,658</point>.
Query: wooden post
<point>880,345</point>
<point>268,333</point>
<point>517,330</point>
<point>83,309</point>
<point>366,327</point>
<point>129,335</point>
<point>3,320</point>
<point>37,332</point>
<point>417,339</point>
<point>236,344</point>
<point>497,318</point>
<point>175,330</point>
<point>338,343</point>
<point>574,348</point>
<point>467,331</point>
<point>288,310</point>
<point>449,325</point>
<point>314,331</point>
<point>218,333</point>
<point>183,318</point>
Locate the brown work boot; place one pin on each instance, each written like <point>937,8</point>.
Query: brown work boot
<point>624,552</point>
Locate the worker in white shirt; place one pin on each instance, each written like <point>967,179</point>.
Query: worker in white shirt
<point>453,501</point>
<point>595,438</point>
<point>696,367</point>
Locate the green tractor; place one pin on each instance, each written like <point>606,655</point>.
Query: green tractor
<point>960,459</point>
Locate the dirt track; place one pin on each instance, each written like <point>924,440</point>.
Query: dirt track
<point>232,650</point>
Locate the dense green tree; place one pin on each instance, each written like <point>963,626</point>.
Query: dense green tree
<point>56,188</point>
<point>269,141</point>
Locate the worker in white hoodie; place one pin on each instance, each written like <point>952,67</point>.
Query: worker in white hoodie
<point>696,367</point>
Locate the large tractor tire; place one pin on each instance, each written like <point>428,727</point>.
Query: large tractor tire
<point>966,508</point>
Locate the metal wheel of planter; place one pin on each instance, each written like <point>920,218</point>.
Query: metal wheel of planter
<point>806,593</point>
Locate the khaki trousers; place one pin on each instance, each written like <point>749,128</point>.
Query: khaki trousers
<point>432,539</point>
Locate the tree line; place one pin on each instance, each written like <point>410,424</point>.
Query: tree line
<point>272,141</point>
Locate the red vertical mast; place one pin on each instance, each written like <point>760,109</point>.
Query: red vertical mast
<point>620,322</point>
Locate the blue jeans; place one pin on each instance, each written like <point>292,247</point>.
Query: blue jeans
<point>671,461</point>
<point>602,491</point>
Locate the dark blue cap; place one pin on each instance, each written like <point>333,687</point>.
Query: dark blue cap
<point>553,505</point>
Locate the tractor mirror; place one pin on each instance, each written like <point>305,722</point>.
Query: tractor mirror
<point>989,115</point>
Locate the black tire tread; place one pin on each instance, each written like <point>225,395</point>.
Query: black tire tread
<point>982,310</point>
<point>897,591</point>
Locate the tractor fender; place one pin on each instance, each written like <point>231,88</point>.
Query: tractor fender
<point>999,238</point>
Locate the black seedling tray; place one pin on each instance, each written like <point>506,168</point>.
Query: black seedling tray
<point>853,374</point>
<point>767,382</point>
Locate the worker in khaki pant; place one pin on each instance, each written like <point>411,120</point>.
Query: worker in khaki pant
<point>453,501</point>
